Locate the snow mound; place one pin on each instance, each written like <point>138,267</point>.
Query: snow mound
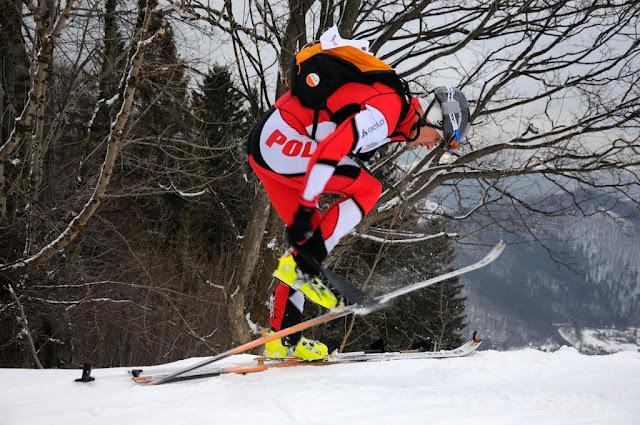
<point>602,340</point>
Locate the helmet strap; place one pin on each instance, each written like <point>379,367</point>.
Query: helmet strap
<point>415,127</point>
<point>421,122</point>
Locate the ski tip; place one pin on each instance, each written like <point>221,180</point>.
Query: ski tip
<point>495,252</point>
<point>498,248</point>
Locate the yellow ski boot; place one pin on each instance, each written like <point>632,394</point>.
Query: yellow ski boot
<point>308,349</point>
<point>311,286</point>
<point>276,349</point>
<point>305,349</point>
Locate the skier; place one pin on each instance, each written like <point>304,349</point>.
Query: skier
<point>299,153</point>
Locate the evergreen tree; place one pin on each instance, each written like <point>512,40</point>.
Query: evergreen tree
<point>162,94</point>
<point>223,116</point>
<point>220,119</point>
<point>434,316</point>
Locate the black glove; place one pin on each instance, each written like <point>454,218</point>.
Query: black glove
<point>300,230</point>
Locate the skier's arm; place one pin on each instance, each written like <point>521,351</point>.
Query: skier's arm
<point>362,132</point>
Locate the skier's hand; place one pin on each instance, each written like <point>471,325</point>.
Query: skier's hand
<point>300,229</point>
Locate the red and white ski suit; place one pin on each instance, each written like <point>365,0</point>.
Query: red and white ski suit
<point>296,168</point>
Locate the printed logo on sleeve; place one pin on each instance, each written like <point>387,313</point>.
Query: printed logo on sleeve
<point>365,132</point>
<point>372,129</point>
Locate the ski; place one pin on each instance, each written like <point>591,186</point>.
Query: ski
<point>261,364</point>
<point>356,357</point>
<point>372,304</point>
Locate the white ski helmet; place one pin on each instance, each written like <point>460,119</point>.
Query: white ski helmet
<point>447,110</point>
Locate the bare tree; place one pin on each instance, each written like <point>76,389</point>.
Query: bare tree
<point>113,143</point>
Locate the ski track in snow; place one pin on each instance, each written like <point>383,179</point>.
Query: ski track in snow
<point>488,387</point>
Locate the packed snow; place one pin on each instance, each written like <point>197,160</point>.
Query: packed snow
<point>488,387</point>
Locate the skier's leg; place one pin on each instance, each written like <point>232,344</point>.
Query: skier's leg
<point>360,191</point>
<point>286,310</point>
<point>360,194</point>
<point>287,302</point>
<point>360,197</point>
<point>283,191</point>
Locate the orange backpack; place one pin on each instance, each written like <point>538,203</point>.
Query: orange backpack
<point>316,74</point>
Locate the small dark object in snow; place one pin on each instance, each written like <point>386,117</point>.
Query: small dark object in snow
<point>86,374</point>
<point>135,372</point>
<point>378,346</point>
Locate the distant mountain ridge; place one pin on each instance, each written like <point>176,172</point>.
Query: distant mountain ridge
<point>522,299</point>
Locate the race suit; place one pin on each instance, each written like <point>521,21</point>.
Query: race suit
<point>297,161</point>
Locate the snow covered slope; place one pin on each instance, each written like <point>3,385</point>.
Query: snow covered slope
<point>490,387</point>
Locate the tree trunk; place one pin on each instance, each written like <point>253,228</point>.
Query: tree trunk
<point>11,23</point>
<point>108,81</point>
<point>108,84</point>
<point>348,18</point>
<point>293,37</point>
<point>38,147</point>
<point>246,268</point>
<point>14,63</point>
<point>327,8</point>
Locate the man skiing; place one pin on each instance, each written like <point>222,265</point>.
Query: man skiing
<point>299,153</point>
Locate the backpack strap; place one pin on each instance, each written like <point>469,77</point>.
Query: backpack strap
<point>316,116</point>
<point>345,112</point>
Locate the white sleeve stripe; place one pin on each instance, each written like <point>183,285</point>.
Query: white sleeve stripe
<point>318,177</point>
<point>297,299</point>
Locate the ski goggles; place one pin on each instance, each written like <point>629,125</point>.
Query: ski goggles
<point>450,144</point>
<point>454,122</point>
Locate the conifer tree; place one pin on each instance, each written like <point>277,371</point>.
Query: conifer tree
<point>221,121</point>
<point>221,109</point>
<point>162,94</point>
